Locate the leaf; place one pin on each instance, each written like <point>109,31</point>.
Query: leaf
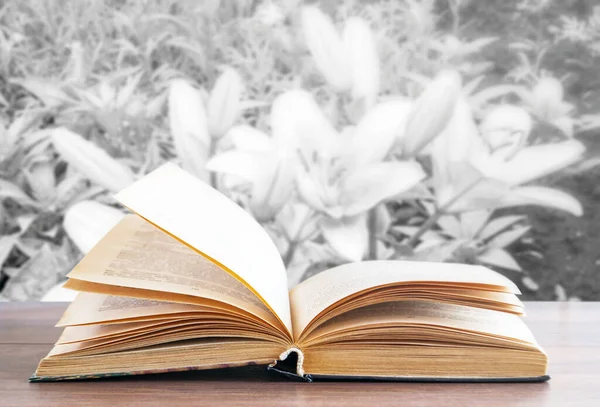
<point>500,258</point>
<point>224,104</point>
<point>347,236</point>
<point>472,222</point>
<point>10,190</point>
<point>530,284</point>
<point>367,187</point>
<point>450,225</point>
<point>499,224</point>
<point>189,128</point>
<point>49,93</point>
<point>542,196</point>
<point>7,243</point>
<point>194,50</point>
<point>383,220</point>
<point>429,235</point>
<point>490,93</point>
<point>34,278</point>
<point>508,237</point>
<point>379,129</point>
<point>125,93</point>
<point>91,161</point>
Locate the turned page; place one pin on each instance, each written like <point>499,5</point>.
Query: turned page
<point>217,228</point>
<point>135,255</point>
<point>91,308</point>
<point>319,292</point>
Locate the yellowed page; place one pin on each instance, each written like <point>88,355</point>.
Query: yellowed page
<point>89,308</point>
<point>431,313</point>
<point>317,293</point>
<point>216,227</point>
<point>72,334</point>
<point>137,255</point>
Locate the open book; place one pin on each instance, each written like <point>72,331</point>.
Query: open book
<point>193,282</point>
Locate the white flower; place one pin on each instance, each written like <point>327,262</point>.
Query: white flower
<point>349,62</point>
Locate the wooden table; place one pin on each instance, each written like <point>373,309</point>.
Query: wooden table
<point>569,332</point>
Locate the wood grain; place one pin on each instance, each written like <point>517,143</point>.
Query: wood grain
<point>569,332</point>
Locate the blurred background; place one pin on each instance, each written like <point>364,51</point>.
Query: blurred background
<point>427,130</point>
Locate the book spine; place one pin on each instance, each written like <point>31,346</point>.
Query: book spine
<point>300,359</point>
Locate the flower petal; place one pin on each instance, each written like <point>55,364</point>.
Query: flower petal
<point>505,128</point>
<point>532,162</point>
<point>369,186</point>
<point>326,47</point>
<point>308,191</point>
<point>298,122</point>
<point>451,152</point>
<point>272,189</point>
<point>363,60</point>
<point>432,111</point>
<point>347,236</point>
<point>248,138</point>
<point>378,130</point>
<point>499,258</point>
<point>224,104</point>
<point>248,166</point>
<point>542,196</point>
<point>547,97</point>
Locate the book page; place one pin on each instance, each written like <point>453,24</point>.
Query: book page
<point>90,308</point>
<point>319,292</point>
<point>429,313</point>
<point>137,255</point>
<point>216,227</point>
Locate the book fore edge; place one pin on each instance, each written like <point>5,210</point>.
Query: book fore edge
<point>299,364</point>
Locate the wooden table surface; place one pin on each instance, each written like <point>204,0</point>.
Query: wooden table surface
<point>569,332</point>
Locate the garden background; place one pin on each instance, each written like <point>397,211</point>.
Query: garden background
<point>449,130</point>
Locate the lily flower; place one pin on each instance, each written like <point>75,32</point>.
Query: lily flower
<point>194,123</point>
<point>340,175</point>
<point>471,172</point>
<point>546,102</point>
<point>261,165</point>
<point>348,62</point>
